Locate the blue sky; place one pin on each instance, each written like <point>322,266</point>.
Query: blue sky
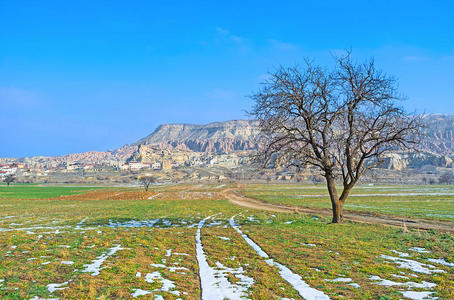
<point>94,75</point>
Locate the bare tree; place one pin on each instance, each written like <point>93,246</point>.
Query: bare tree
<point>146,181</point>
<point>9,179</point>
<point>340,121</point>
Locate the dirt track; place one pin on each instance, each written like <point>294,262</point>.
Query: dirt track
<point>364,217</point>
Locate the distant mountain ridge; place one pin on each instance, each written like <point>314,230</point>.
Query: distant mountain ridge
<point>241,135</point>
<point>217,137</point>
<point>238,136</point>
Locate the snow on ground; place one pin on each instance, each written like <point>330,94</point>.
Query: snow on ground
<point>140,292</point>
<point>401,254</point>
<point>382,195</point>
<point>95,267</point>
<point>214,283</point>
<point>134,223</point>
<point>419,250</point>
<point>154,196</point>
<point>295,280</point>
<point>340,279</point>
<point>167,285</point>
<point>441,261</point>
<point>418,295</point>
<point>52,287</point>
<point>413,265</point>
<point>171,269</point>
<point>424,285</point>
<point>224,238</point>
<point>67,262</point>
<point>79,225</point>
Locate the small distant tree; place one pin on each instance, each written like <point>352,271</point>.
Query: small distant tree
<point>146,181</point>
<point>446,178</point>
<point>340,121</point>
<point>9,179</point>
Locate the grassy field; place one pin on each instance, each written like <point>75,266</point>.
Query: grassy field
<point>108,244</point>
<point>430,202</point>
<point>29,191</point>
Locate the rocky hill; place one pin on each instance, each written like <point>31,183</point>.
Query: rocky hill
<point>437,148</point>
<point>439,134</point>
<point>240,135</point>
<point>218,137</point>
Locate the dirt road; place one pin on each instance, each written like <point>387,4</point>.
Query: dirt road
<point>364,217</point>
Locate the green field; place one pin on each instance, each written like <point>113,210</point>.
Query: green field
<point>430,202</point>
<point>29,191</point>
<point>117,249</point>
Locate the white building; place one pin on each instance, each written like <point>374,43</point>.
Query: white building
<point>138,166</point>
<point>156,166</point>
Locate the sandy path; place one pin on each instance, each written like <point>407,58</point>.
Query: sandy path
<point>364,217</point>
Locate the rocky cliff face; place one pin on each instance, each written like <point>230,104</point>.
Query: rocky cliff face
<point>241,135</point>
<point>439,134</point>
<point>219,137</point>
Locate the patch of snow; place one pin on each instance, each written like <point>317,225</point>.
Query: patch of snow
<point>224,238</point>
<point>171,269</point>
<point>424,285</point>
<point>418,295</point>
<point>295,280</point>
<point>167,285</point>
<point>401,254</point>
<point>288,222</point>
<point>441,261</point>
<point>309,245</point>
<point>79,225</point>
<point>139,292</point>
<point>252,219</point>
<point>413,265</point>
<point>168,252</point>
<point>355,285</point>
<point>340,279</point>
<point>134,223</point>
<point>138,274</point>
<point>52,287</point>
<point>399,276</point>
<point>213,282</point>
<point>67,262</point>
<point>154,196</point>
<point>419,250</point>
<point>95,267</point>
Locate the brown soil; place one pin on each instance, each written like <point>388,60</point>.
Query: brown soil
<point>364,217</point>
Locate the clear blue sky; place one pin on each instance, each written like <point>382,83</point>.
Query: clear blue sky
<point>95,75</point>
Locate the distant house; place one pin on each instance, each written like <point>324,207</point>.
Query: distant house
<point>156,166</point>
<point>137,166</point>
<point>72,167</point>
<point>124,167</point>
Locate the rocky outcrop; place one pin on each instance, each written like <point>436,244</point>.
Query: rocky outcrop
<point>401,160</point>
<point>219,137</point>
<point>439,134</point>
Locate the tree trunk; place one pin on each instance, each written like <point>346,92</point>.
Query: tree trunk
<point>335,203</point>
